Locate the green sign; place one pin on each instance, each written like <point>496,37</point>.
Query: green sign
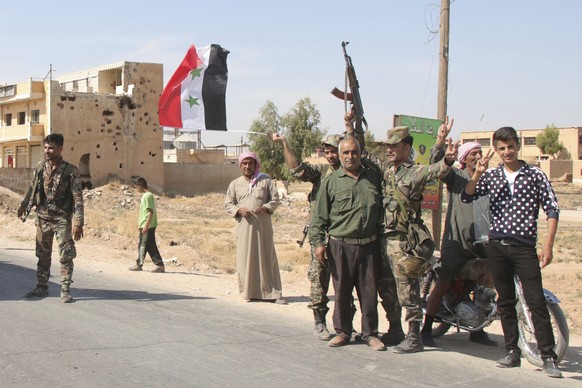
<point>424,131</point>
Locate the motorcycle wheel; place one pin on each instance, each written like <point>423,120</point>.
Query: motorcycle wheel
<point>426,285</point>
<point>527,341</point>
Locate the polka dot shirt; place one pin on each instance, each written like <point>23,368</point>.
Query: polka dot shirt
<point>514,217</point>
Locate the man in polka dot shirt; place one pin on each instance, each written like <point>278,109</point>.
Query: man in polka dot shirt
<point>516,192</point>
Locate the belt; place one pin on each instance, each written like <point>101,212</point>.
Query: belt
<point>508,242</point>
<point>356,241</point>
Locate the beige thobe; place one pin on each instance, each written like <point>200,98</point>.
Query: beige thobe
<point>256,259</point>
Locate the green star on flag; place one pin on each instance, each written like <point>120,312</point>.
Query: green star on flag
<point>195,73</point>
<point>192,101</point>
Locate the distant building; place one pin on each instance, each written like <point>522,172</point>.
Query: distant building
<point>108,116</point>
<point>571,137</point>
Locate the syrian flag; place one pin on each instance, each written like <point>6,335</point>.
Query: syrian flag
<point>194,98</point>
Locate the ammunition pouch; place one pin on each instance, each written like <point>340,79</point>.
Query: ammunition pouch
<point>414,261</point>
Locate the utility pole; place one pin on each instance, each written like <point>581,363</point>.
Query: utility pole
<point>442,103</point>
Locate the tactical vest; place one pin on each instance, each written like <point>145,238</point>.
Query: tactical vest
<point>63,198</point>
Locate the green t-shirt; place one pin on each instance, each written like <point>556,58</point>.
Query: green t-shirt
<point>147,202</point>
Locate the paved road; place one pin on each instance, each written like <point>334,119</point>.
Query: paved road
<point>125,333</point>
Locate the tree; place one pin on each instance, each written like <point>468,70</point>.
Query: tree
<point>549,141</point>
<point>269,153</point>
<point>301,127</point>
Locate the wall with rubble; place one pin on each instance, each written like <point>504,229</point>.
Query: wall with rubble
<point>114,136</point>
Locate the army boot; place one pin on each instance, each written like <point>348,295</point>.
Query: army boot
<point>65,294</point>
<point>320,329</point>
<point>412,343</point>
<point>395,334</point>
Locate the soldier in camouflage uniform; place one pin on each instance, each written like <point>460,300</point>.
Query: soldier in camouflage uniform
<point>318,272</point>
<point>57,195</point>
<point>404,183</point>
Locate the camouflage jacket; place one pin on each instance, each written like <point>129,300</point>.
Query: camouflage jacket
<point>60,194</point>
<point>313,174</point>
<point>403,192</point>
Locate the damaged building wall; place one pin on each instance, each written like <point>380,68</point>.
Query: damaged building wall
<point>114,135</point>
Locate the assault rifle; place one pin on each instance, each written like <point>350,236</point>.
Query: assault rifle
<point>353,97</point>
<point>31,199</point>
<point>305,233</point>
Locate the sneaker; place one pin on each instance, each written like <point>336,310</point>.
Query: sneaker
<point>158,269</point>
<point>135,267</point>
<point>38,292</point>
<point>551,368</point>
<point>511,360</point>
<point>66,297</point>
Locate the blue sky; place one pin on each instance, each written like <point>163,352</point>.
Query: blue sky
<point>514,63</point>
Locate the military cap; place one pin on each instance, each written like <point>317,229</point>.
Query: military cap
<point>332,140</point>
<point>397,134</point>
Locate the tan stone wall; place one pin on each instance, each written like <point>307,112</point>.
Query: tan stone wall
<point>16,179</point>
<point>193,179</point>
<point>194,156</point>
<point>555,169</point>
<point>577,172</point>
<point>117,136</point>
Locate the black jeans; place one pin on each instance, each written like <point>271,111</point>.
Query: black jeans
<point>355,266</point>
<point>506,261</point>
<point>147,244</point>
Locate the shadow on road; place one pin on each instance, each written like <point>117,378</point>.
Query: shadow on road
<point>16,281</point>
<point>459,343</point>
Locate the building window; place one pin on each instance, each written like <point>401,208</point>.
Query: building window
<point>484,142</point>
<point>35,116</point>
<point>21,118</point>
<point>529,141</point>
<point>8,119</point>
<point>580,139</point>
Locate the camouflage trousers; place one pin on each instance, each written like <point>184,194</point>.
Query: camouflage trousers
<point>46,231</point>
<point>319,276</point>
<point>408,288</point>
<point>387,286</point>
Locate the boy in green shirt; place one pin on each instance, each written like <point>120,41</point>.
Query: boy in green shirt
<point>147,223</point>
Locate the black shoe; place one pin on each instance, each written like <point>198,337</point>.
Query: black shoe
<point>512,360</point>
<point>482,338</point>
<point>551,368</point>
<point>38,292</point>
<point>427,340</point>
<point>392,337</point>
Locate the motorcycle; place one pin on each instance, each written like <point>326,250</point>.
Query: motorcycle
<point>470,304</point>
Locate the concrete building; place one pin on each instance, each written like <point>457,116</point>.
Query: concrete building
<point>108,116</point>
<point>571,137</point>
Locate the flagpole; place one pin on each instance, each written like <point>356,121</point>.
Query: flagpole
<point>253,132</point>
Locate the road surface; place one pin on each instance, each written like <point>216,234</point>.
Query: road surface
<point>128,332</point>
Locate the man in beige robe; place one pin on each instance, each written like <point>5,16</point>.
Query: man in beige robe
<point>251,199</point>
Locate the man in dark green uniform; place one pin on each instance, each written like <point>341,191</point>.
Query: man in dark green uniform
<point>347,219</point>
<point>57,195</point>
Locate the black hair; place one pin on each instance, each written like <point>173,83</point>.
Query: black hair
<point>141,182</point>
<point>408,140</point>
<point>55,138</point>
<point>505,134</point>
